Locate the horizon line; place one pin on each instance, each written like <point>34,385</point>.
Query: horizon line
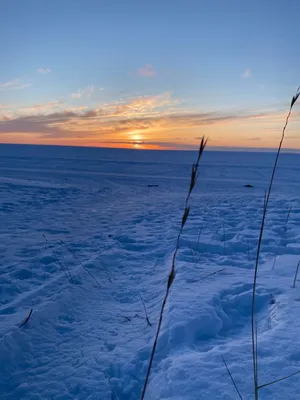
<point>208,148</point>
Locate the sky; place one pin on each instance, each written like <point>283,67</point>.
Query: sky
<point>149,74</point>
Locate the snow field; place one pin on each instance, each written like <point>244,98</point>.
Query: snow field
<point>89,342</point>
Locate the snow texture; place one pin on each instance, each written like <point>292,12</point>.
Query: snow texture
<point>87,236</point>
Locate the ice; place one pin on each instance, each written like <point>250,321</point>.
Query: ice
<point>116,214</point>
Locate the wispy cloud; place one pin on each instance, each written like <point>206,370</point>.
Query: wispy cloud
<point>83,92</point>
<point>15,84</point>
<point>143,105</point>
<point>138,121</point>
<point>40,108</point>
<point>11,112</point>
<point>247,73</point>
<point>9,84</point>
<point>43,70</point>
<point>146,71</point>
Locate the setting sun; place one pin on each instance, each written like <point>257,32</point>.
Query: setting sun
<point>136,138</point>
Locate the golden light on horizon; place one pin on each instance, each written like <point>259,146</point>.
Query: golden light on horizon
<point>137,140</point>
<point>149,122</point>
<point>172,133</point>
<point>136,137</point>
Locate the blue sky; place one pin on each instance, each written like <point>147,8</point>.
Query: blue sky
<point>222,57</point>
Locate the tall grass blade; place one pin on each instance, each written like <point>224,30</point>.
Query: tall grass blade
<point>75,255</point>
<point>296,274</point>
<point>232,380</point>
<point>146,314</point>
<point>278,380</point>
<point>172,274</point>
<point>265,208</point>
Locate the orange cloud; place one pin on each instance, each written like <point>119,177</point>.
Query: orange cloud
<point>142,122</point>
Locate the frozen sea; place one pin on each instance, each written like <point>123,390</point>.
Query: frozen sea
<point>87,236</point>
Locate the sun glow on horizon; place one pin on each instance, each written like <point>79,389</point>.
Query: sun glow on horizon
<point>157,128</point>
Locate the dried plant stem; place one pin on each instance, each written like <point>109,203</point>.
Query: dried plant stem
<point>205,248</point>
<point>155,265</point>
<point>146,314</point>
<point>26,319</point>
<point>231,377</point>
<point>265,208</point>
<point>64,268</point>
<point>75,256</point>
<point>278,380</point>
<point>275,259</point>
<point>296,274</point>
<point>256,352</point>
<point>212,273</point>
<point>172,274</point>
<point>288,216</point>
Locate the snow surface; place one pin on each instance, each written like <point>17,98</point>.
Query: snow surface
<point>73,210</point>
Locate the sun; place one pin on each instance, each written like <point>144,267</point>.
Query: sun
<point>137,140</point>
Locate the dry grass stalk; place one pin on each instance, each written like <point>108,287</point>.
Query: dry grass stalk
<point>75,256</point>
<point>278,380</point>
<point>288,216</point>
<point>265,208</point>
<point>296,274</point>
<point>231,377</point>
<point>274,263</point>
<point>146,314</point>
<point>205,248</point>
<point>212,273</point>
<point>172,274</point>
<point>26,319</point>
<point>64,268</point>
